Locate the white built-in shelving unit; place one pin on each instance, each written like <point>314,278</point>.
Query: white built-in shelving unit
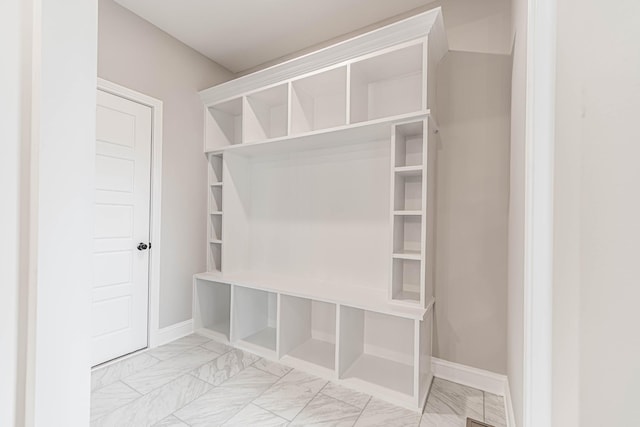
<point>321,207</point>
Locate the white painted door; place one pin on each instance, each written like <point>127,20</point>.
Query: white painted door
<point>121,268</point>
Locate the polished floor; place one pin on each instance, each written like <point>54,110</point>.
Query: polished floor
<point>198,382</point>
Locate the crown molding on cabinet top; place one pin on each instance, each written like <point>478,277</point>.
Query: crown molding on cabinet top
<point>408,29</point>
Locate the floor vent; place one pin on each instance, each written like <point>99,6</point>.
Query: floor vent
<point>474,423</point>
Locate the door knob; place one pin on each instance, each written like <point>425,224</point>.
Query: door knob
<point>142,246</point>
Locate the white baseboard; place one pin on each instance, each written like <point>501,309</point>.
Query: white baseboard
<point>472,377</point>
<point>173,332</point>
<point>476,378</point>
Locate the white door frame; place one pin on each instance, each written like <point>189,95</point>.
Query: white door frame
<point>538,212</point>
<point>155,202</point>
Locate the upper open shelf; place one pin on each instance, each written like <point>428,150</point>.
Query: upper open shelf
<point>319,101</point>
<point>388,83</point>
<point>224,123</point>
<point>266,114</point>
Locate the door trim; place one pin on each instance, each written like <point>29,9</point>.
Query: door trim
<point>155,202</point>
<point>538,215</point>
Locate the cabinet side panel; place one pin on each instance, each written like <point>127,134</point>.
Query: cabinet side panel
<point>351,337</point>
<point>425,373</point>
<point>431,141</point>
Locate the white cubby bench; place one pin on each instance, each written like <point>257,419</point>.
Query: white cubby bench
<point>371,346</point>
<point>321,206</point>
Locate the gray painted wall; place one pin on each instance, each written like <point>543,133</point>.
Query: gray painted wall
<point>138,55</point>
<point>473,96</point>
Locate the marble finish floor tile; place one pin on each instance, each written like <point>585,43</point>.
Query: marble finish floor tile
<point>352,397</point>
<point>217,347</point>
<point>111,397</point>
<point>327,411</point>
<point>224,367</point>
<point>442,420</point>
<point>109,374</point>
<point>290,394</point>
<point>155,406</point>
<point>447,398</point>
<point>494,410</point>
<point>272,367</point>
<point>381,413</point>
<point>169,369</point>
<point>224,402</point>
<point>170,421</point>
<point>178,346</point>
<point>215,407</point>
<point>252,380</point>
<point>253,415</point>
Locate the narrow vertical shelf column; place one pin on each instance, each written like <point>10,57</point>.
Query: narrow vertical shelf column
<point>214,223</point>
<point>408,216</point>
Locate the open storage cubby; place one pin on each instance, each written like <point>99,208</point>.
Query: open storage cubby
<point>265,114</point>
<point>408,192</point>
<point>254,319</point>
<point>211,310</point>
<point>406,279</point>
<point>407,235</point>
<point>378,349</point>
<point>215,198</point>
<point>388,85</point>
<point>215,228</point>
<point>319,101</point>
<point>224,124</point>
<point>308,331</point>
<point>215,170</point>
<point>409,146</point>
<point>214,262</point>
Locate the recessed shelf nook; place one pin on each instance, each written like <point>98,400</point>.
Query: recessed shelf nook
<point>211,309</point>
<point>224,124</point>
<point>265,114</point>
<point>254,320</point>
<point>378,349</point>
<point>409,142</point>
<point>319,101</point>
<point>308,331</point>
<point>388,85</point>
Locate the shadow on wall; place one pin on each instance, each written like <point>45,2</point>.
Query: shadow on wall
<point>473,111</point>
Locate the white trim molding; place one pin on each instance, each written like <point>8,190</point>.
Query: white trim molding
<point>476,378</point>
<point>538,215</point>
<point>154,338</point>
<point>173,332</point>
<point>468,376</point>
<point>411,28</point>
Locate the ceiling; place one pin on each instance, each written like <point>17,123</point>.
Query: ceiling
<point>243,34</point>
